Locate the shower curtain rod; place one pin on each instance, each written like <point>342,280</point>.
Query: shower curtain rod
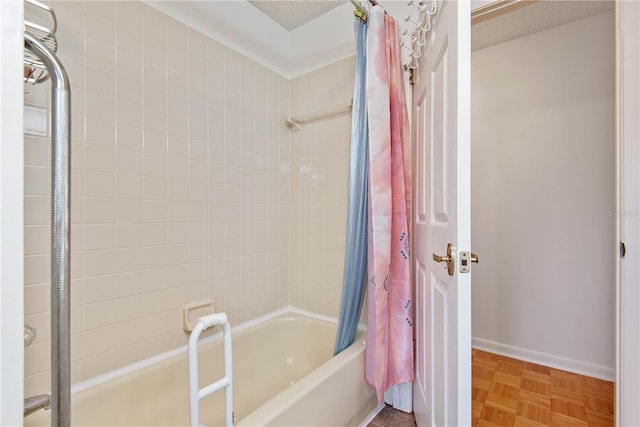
<point>359,5</point>
<point>295,121</point>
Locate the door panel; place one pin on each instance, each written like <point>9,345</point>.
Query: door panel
<point>437,141</point>
<point>439,350</point>
<point>423,374</point>
<point>440,111</point>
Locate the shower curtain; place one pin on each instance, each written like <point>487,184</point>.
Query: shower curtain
<point>377,248</point>
<point>355,264</point>
<point>389,349</point>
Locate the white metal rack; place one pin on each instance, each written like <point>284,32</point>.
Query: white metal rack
<point>196,394</point>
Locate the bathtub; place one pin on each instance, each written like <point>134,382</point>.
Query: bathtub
<point>284,375</point>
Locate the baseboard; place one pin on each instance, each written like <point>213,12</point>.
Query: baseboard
<point>546,359</point>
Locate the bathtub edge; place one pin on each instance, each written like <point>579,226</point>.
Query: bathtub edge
<point>125,370</point>
<point>150,361</point>
<point>274,408</point>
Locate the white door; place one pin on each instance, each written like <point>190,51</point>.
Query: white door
<point>442,197</point>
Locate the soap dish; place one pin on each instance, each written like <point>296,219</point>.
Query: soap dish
<point>192,312</point>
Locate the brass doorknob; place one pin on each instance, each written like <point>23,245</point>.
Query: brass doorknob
<point>474,258</point>
<point>438,258</point>
<point>448,259</point>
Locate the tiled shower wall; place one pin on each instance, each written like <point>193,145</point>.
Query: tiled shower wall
<point>180,188</point>
<point>319,187</point>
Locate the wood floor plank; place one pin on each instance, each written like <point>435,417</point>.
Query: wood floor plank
<point>534,399</point>
<point>600,420</point>
<point>536,387</point>
<point>510,368</point>
<point>511,380</point>
<point>598,405</point>
<point>497,416</point>
<point>561,420</point>
<point>535,413</point>
<point>569,409</point>
<point>536,376</point>
<point>525,422</point>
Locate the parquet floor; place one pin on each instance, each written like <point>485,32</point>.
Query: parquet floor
<point>510,392</point>
<point>507,392</point>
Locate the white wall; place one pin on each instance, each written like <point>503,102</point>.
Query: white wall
<point>543,185</point>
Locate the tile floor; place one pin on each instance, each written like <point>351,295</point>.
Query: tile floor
<point>390,417</point>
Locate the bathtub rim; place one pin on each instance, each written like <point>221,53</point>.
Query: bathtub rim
<point>150,361</point>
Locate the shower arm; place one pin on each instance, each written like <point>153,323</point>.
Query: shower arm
<point>60,232</point>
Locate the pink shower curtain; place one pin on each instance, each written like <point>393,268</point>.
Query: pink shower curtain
<point>389,351</point>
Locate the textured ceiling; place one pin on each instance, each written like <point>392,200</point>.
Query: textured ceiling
<point>292,14</point>
<point>538,16</point>
<point>533,18</point>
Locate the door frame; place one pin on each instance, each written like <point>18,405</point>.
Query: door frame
<point>627,386</point>
<point>627,153</point>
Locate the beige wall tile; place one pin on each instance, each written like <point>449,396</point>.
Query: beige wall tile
<point>319,164</point>
<point>171,172</point>
<point>153,346</point>
<point>127,355</point>
<point>99,364</point>
<point>128,333</point>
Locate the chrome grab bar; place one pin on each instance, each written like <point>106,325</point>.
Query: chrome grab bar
<point>60,231</point>
<point>30,334</point>
<point>33,403</point>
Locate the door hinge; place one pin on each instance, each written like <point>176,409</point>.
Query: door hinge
<point>623,250</point>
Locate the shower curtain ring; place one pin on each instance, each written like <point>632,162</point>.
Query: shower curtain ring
<point>435,8</point>
<point>424,29</point>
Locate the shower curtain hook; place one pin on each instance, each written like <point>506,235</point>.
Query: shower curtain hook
<point>419,5</point>
<point>406,33</point>
<point>424,29</point>
<point>408,19</point>
<point>435,8</point>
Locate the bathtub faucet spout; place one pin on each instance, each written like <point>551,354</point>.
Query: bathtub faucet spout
<point>33,403</point>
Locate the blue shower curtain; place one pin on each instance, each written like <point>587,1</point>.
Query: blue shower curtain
<point>355,265</point>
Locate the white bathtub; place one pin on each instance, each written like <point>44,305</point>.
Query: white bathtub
<point>284,375</point>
